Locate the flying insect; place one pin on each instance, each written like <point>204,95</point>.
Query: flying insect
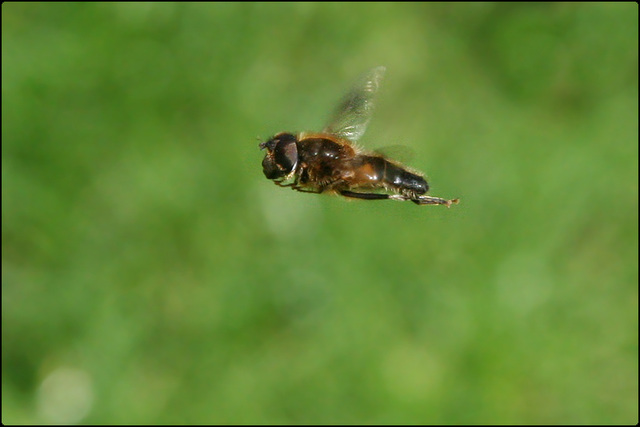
<point>330,162</point>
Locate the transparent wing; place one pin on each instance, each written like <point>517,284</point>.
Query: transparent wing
<point>399,153</point>
<point>352,116</point>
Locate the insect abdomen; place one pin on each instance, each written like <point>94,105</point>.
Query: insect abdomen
<point>402,179</point>
<point>375,171</point>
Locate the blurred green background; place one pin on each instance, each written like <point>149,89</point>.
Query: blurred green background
<point>151,274</point>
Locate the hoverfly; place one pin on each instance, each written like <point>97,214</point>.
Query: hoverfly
<point>329,162</point>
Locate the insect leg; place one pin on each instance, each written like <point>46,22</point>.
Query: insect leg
<point>306,189</point>
<point>428,200</point>
<point>296,186</point>
<point>365,196</point>
<point>424,200</point>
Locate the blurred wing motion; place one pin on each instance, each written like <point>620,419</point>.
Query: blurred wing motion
<point>399,153</point>
<point>352,116</point>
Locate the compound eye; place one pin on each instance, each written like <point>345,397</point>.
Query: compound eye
<point>285,154</point>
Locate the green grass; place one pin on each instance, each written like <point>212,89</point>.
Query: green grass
<point>151,274</point>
